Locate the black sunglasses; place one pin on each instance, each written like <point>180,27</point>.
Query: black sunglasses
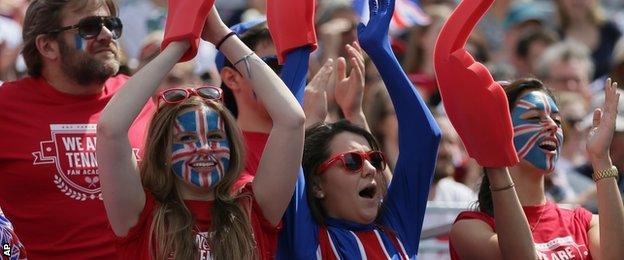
<point>90,27</point>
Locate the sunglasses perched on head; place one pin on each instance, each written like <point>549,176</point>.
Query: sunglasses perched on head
<point>177,95</point>
<point>354,161</point>
<point>90,27</point>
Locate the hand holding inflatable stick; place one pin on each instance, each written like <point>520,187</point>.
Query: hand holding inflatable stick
<point>185,20</point>
<point>476,104</point>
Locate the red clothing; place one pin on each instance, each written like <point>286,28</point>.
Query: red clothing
<point>254,146</point>
<point>135,245</point>
<point>558,233</point>
<point>49,185</point>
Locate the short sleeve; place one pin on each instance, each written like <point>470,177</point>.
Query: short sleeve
<point>583,216</point>
<point>477,215</point>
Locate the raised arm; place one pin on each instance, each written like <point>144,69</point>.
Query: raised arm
<point>464,83</point>
<point>419,134</point>
<point>607,235</point>
<point>277,171</point>
<point>121,184</point>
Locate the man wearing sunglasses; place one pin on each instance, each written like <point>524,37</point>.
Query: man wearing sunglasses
<point>49,183</point>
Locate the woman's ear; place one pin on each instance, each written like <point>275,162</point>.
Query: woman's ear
<point>232,78</point>
<point>317,190</point>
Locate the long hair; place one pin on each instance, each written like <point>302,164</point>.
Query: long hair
<point>316,150</point>
<point>172,230</point>
<point>513,91</point>
<point>43,16</point>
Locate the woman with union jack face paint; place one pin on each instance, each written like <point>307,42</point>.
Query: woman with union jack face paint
<point>184,198</point>
<point>521,144</point>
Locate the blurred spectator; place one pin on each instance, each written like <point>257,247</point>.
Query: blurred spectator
<point>521,17</point>
<point>140,18</point>
<point>10,44</point>
<point>584,21</point>
<point>181,75</point>
<point>444,188</point>
<point>617,64</point>
<point>382,121</point>
<point>242,11</point>
<point>566,66</point>
<point>418,62</point>
<point>588,198</point>
<point>10,246</point>
<point>529,48</point>
<point>450,156</point>
<point>566,183</point>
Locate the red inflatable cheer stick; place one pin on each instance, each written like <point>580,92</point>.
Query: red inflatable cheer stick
<point>291,23</point>
<point>475,104</point>
<point>185,20</point>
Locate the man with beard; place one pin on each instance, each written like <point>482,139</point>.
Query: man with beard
<point>49,184</point>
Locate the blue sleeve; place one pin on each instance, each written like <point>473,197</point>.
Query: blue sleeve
<point>299,236</point>
<point>419,135</point>
<point>295,70</point>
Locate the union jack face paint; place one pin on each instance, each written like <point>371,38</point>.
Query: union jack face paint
<point>534,138</point>
<point>201,150</point>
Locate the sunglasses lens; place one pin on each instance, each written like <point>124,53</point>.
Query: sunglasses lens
<point>92,26</point>
<point>174,95</point>
<point>377,160</point>
<point>353,161</point>
<point>114,25</point>
<point>89,27</point>
<point>208,93</point>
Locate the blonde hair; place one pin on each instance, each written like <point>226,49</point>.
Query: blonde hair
<point>172,230</point>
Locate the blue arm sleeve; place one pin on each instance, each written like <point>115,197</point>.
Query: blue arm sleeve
<point>419,135</point>
<point>295,70</point>
<point>299,236</point>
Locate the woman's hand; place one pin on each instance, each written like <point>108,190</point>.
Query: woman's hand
<point>315,100</point>
<point>375,33</point>
<point>601,133</point>
<point>349,90</point>
<point>214,28</point>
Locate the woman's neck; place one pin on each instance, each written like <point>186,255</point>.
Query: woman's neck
<point>529,184</point>
<point>189,192</point>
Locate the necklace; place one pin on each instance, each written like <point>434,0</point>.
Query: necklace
<point>539,218</point>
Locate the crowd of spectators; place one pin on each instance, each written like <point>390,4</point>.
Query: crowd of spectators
<point>571,45</point>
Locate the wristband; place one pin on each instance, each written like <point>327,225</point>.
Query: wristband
<point>503,188</point>
<point>608,173</point>
<point>218,46</point>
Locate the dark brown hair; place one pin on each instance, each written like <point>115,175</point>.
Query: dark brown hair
<point>316,150</point>
<point>43,16</point>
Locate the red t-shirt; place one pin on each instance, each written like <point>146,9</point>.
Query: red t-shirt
<point>49,184</point>
<point>135,245</point>
<point>557,233</point>
<point>254,144</point>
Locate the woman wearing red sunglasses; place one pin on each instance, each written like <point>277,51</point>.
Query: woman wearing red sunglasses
<point>181,200</point>
<point>348,210</point>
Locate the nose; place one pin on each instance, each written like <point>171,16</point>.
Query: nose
<point>105,34</point>
<point>550,124</point>
<point>368,170</point>
<point>203,147</point>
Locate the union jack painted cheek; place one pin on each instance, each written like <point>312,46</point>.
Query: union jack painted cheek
<point>201,150</point>
<point>532,139</point>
